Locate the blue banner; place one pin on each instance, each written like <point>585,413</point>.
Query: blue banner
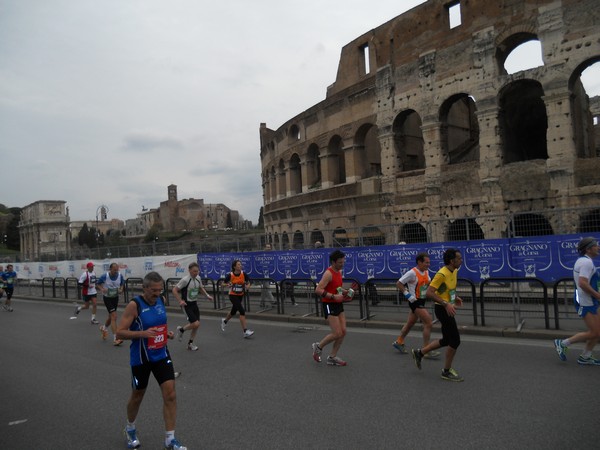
<point>549,258</point>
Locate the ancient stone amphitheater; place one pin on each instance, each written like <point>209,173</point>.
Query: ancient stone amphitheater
<point>424,136</point>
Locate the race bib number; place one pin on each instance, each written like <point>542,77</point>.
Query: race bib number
<point>160,340</point>
<point>112,292</point>
<point>237,288</point>
<point>193,293</point>
<point>452,294</point>
<point>423,290</point>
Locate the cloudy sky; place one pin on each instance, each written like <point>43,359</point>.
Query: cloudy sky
<point>108,102</point>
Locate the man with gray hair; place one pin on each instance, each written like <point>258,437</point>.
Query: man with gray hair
<point>587,300</point>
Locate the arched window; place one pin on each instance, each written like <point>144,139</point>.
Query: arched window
<point>336,161</point>
<point>590,222</point>
<point>524,225</point>
<point>412,233</point>
<point>464,230</point>
<point>460,129</point>
<point>408,141</point>
<point>523,122</point>
<point>295,175</point>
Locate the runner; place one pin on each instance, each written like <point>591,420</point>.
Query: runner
<point>7,284</point>
<point>586,303</point>
<point>414,284</point>
<point>87,281</point>
<point>332,294</point>
<point>238,283</point>
<point>186,292</point>
<point>144,322</point>
<point>442,290</point>
<point>111,285</point>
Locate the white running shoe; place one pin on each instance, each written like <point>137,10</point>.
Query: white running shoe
<point>248,333</point>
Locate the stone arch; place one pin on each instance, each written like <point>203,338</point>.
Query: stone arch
<point>460,129</point>
<point>316,235</point>
<point>372,235</point>
<point>313,167</point>
<point>510,40</point>
<point>523,121</point>
<point>294,134</point>
<point>464,230</point>
<point>295,174</point>
<point>339,237</point>
<point>582,119</point>
<point>298,240</point>
<point>281,182</point>
<point>336,160</point>
<point>590,222</point>
<point>273,183</point>
<point>285,241</point>
<point>408,141</point>
<point>412,233</point>
<point>367,149</point>
<point>527,224</point>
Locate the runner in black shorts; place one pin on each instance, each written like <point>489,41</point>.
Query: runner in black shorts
<point>186,292</point>
<point>332,294</point>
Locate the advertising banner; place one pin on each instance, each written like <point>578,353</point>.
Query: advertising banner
<point>548,258</point>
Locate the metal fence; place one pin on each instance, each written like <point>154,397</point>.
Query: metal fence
<point>510,303</point>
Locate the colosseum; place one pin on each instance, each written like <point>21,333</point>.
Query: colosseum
<point>425,136</point>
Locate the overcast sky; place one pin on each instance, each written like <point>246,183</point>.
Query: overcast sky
<point>108,102</point>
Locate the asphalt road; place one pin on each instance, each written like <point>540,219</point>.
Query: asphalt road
<point>63,387</point>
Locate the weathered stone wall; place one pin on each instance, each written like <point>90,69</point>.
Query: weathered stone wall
<point>438,129</point>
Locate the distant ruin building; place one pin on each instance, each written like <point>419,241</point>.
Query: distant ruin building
<point>424,136</point>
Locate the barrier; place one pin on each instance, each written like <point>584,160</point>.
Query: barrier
<point>301,292</point>
<point>59,283</point>
<point>47,281</point>
<point>526,296</point>
<point>133,287</point>
<point>265,290</point>
<point>72,283</point>
<point>567,297</point>
<point>517,298</point>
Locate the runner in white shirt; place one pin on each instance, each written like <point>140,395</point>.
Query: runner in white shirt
<point>587,301</point>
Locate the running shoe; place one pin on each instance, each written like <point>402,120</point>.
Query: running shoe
<point>77,310</point>
<point>589,361</point>
<point>451,375</point>
<point>248,333</point>
<point>94,322</point>
<point>433,354</point>
<point>117,342</point>
<point>175,445</point>
<point>192,347</point>
<point>10,309</point>
<point>400,347</point>
<point>560,349</point>
<point>180,331</point>
<point>223,324</point>
<point>132,440</point>
<point>418,357</point>
<point>335,361</point>
<point>316,352</point>
<point>104,332</point>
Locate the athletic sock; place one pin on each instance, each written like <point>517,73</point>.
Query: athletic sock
<point>169,436</point>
